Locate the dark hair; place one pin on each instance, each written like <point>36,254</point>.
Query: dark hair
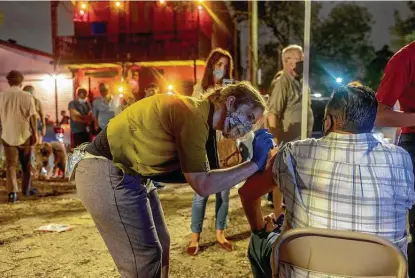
<point>29,89</point>
<point>153,86</point>
<point>354,108</point>
<point>14,78</point>
<point>215,55</point>
<point>81,90</point>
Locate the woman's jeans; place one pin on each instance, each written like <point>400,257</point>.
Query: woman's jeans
<point>199,210</point>
<point>128,214</point>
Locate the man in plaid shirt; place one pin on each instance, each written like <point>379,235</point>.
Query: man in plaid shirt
<point>347,180</point>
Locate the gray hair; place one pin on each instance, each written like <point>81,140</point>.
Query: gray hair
<point>353,108</point>
<point>290,48</point>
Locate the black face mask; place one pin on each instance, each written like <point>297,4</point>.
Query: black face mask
<point>326,132</point>
<point>299,68</point>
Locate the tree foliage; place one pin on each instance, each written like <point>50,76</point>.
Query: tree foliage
<point>374,70</point>
<point>403,30</point>
<point>340,44</point>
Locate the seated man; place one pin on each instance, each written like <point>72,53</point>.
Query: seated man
<point>347,180</point>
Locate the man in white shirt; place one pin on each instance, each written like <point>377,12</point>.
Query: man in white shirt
<point>18,120</point>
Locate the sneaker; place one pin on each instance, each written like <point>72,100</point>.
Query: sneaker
<point>12,197</point>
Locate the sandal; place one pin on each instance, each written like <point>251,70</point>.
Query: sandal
<point>193,251</point>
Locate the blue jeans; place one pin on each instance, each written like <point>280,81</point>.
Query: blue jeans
<point>199,210</point>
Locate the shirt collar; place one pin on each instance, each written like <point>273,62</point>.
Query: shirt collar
<point>14,89</point>
<point>351,138</point>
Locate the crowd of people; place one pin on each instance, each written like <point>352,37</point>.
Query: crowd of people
<point>346,180</point>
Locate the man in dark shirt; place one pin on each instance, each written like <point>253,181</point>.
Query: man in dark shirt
<point>81,117</point>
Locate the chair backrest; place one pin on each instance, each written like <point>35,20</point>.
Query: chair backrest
<point>340,253</point>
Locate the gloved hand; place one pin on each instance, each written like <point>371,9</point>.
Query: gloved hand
<point>262,144</point>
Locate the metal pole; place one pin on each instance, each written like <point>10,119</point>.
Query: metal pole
<point>306,74</point>
<point>56,97</point>
<point>253,41</point>
<point>54,22</point>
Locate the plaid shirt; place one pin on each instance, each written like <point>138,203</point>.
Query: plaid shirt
<point>348,182</point>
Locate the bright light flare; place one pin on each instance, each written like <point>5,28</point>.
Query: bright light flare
<point>82,12</point>
<point>120,89</point>
<point>339,80</point>
<point>162,2</point>
<point>170,87</point>
<point>200,7</point>
<point>121,95</point>
<point>118,4</point>
<point>318,95</point>
<point>83,6</point>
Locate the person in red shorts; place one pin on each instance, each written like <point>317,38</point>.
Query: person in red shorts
<point>398,85</point>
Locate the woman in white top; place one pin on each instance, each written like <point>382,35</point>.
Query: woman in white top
<point>219,66</point>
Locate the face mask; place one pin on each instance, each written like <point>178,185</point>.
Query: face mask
<point>218,73</point>
<point>326,132</point>
<point>237,125</point>
<point>82,100</point>
<point>299,68</point>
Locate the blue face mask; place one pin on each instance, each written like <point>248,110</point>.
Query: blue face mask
<point>218,73</point>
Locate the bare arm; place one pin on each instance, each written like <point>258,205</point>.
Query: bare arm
<point>215,181</point>
<point>387,117</point>
<point>33,126</point>
<point>251,193</point>
<point>32,120</point>
<point>393,85</point>
<point>42,118</point>
<point>77,117</point>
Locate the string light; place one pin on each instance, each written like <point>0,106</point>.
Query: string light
<point>162,1</point>
<point>120,89</point>
<point>82,12</point>
<point>118,4</point>
<point>83,5</point>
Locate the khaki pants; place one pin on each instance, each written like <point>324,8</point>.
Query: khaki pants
<point>14,155</point>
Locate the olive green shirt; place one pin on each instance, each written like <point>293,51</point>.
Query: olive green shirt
<point>160,134</point>
<point>286,103</point>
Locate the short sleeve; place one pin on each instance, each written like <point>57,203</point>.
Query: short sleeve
<point>277,100</point>
<point>71,105</point>
<point>282,169</point>
<point>395,79</point>
<point>94,107</point>
<point>191,133</point>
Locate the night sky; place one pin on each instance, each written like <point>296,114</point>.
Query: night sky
<point>29,22</point>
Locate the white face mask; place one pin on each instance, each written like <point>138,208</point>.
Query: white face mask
<point>218,73</point>
<point>236,125</point>
<point>82,100</point>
